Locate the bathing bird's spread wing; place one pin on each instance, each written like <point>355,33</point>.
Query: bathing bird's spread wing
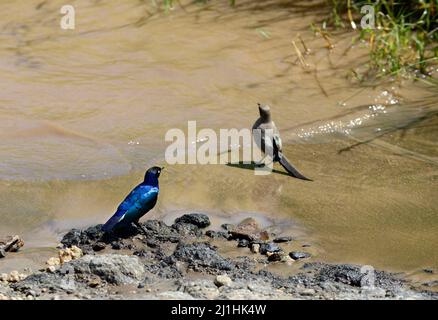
<point>136,204</point>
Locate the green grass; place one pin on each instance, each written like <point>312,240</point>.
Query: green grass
<point>404,40</point>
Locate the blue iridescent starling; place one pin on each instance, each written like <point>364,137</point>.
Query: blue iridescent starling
<point>141,200</point>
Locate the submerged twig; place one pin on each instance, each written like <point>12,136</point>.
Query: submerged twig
<point>300,56</point>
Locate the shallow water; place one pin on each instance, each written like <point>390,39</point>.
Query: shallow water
<point>84,112</point>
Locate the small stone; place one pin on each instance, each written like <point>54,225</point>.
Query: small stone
<point>228,226</point>
<point>14,276</point>
<point>274,256</point>
<point>53,262</point>
<point>306,245</point>
<point>255,248</point>
<point>116,245</point>
<point>217,234</point>
<point>76,252</point>
<point>153,243</point>
<point>427,270</point>
<point>69,254</point>
<point>243,243</point>
<point>296,255</point>
<point>282,239</point>
<point>51,269</point>
<point>223,280</point>
<point>95,282</point>
<point>187,229</point>
<point>11,243</point>
<point>269,247</point>
<point>198,219</point>
<point>99,246</point>
<point>247,229</point>
<point>2,253</point>
<point>307,292</point>
<point>4,277</point>
<point>285,258</point>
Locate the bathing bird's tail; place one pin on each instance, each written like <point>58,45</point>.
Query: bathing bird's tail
<point>290,168</point>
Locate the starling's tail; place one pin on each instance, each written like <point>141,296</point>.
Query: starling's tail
<point>290,168</point>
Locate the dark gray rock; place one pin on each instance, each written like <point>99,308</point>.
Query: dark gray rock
<point>296,255</point>
<point>354,275</point>
<point>187,229</point>
<point>276,256</point>
<point>198,219</point>
<point>99,246</point>
<point>36,283</point>
<point>217,234</point>
<point>201,256</point>
<point>77,237</point>
<point>243,243</point>
<point>228,226</point>
<point>282,239</point>
<point>117,245</point>
<point>158,230</point>
<point>269,247</point>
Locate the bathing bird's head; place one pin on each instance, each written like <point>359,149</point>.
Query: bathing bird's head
<point>151,176</point>
<point>265,111</point>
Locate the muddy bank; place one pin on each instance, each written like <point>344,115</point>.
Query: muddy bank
<point>182,261</point>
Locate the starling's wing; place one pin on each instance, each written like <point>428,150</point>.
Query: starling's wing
<point>126,205</point>
<point>145,202</point>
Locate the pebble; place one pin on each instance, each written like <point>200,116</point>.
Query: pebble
<point>223,280</point>
<point>228,226</point>
<point>95,282</point>
<point>269,247</point>
<point>15,276</point>
<point>99,246</point>
<point>53,262</point>
<point>274,256</point>
<point>296,255</point>
<point>51,269</point>
<point>255,248</point>
<point>307,292</point>
<point>243,243</point>
<point>2,253</point>
<point>72,253</point>
<point>116,245</point>
<point>282,239</point>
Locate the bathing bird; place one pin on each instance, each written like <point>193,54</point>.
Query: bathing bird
<point>263,123</point>
<point>141,200</point>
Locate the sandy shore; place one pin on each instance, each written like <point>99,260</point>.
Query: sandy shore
<point>184,261</point>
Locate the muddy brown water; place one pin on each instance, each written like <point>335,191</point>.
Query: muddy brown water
<point>84,112</point>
